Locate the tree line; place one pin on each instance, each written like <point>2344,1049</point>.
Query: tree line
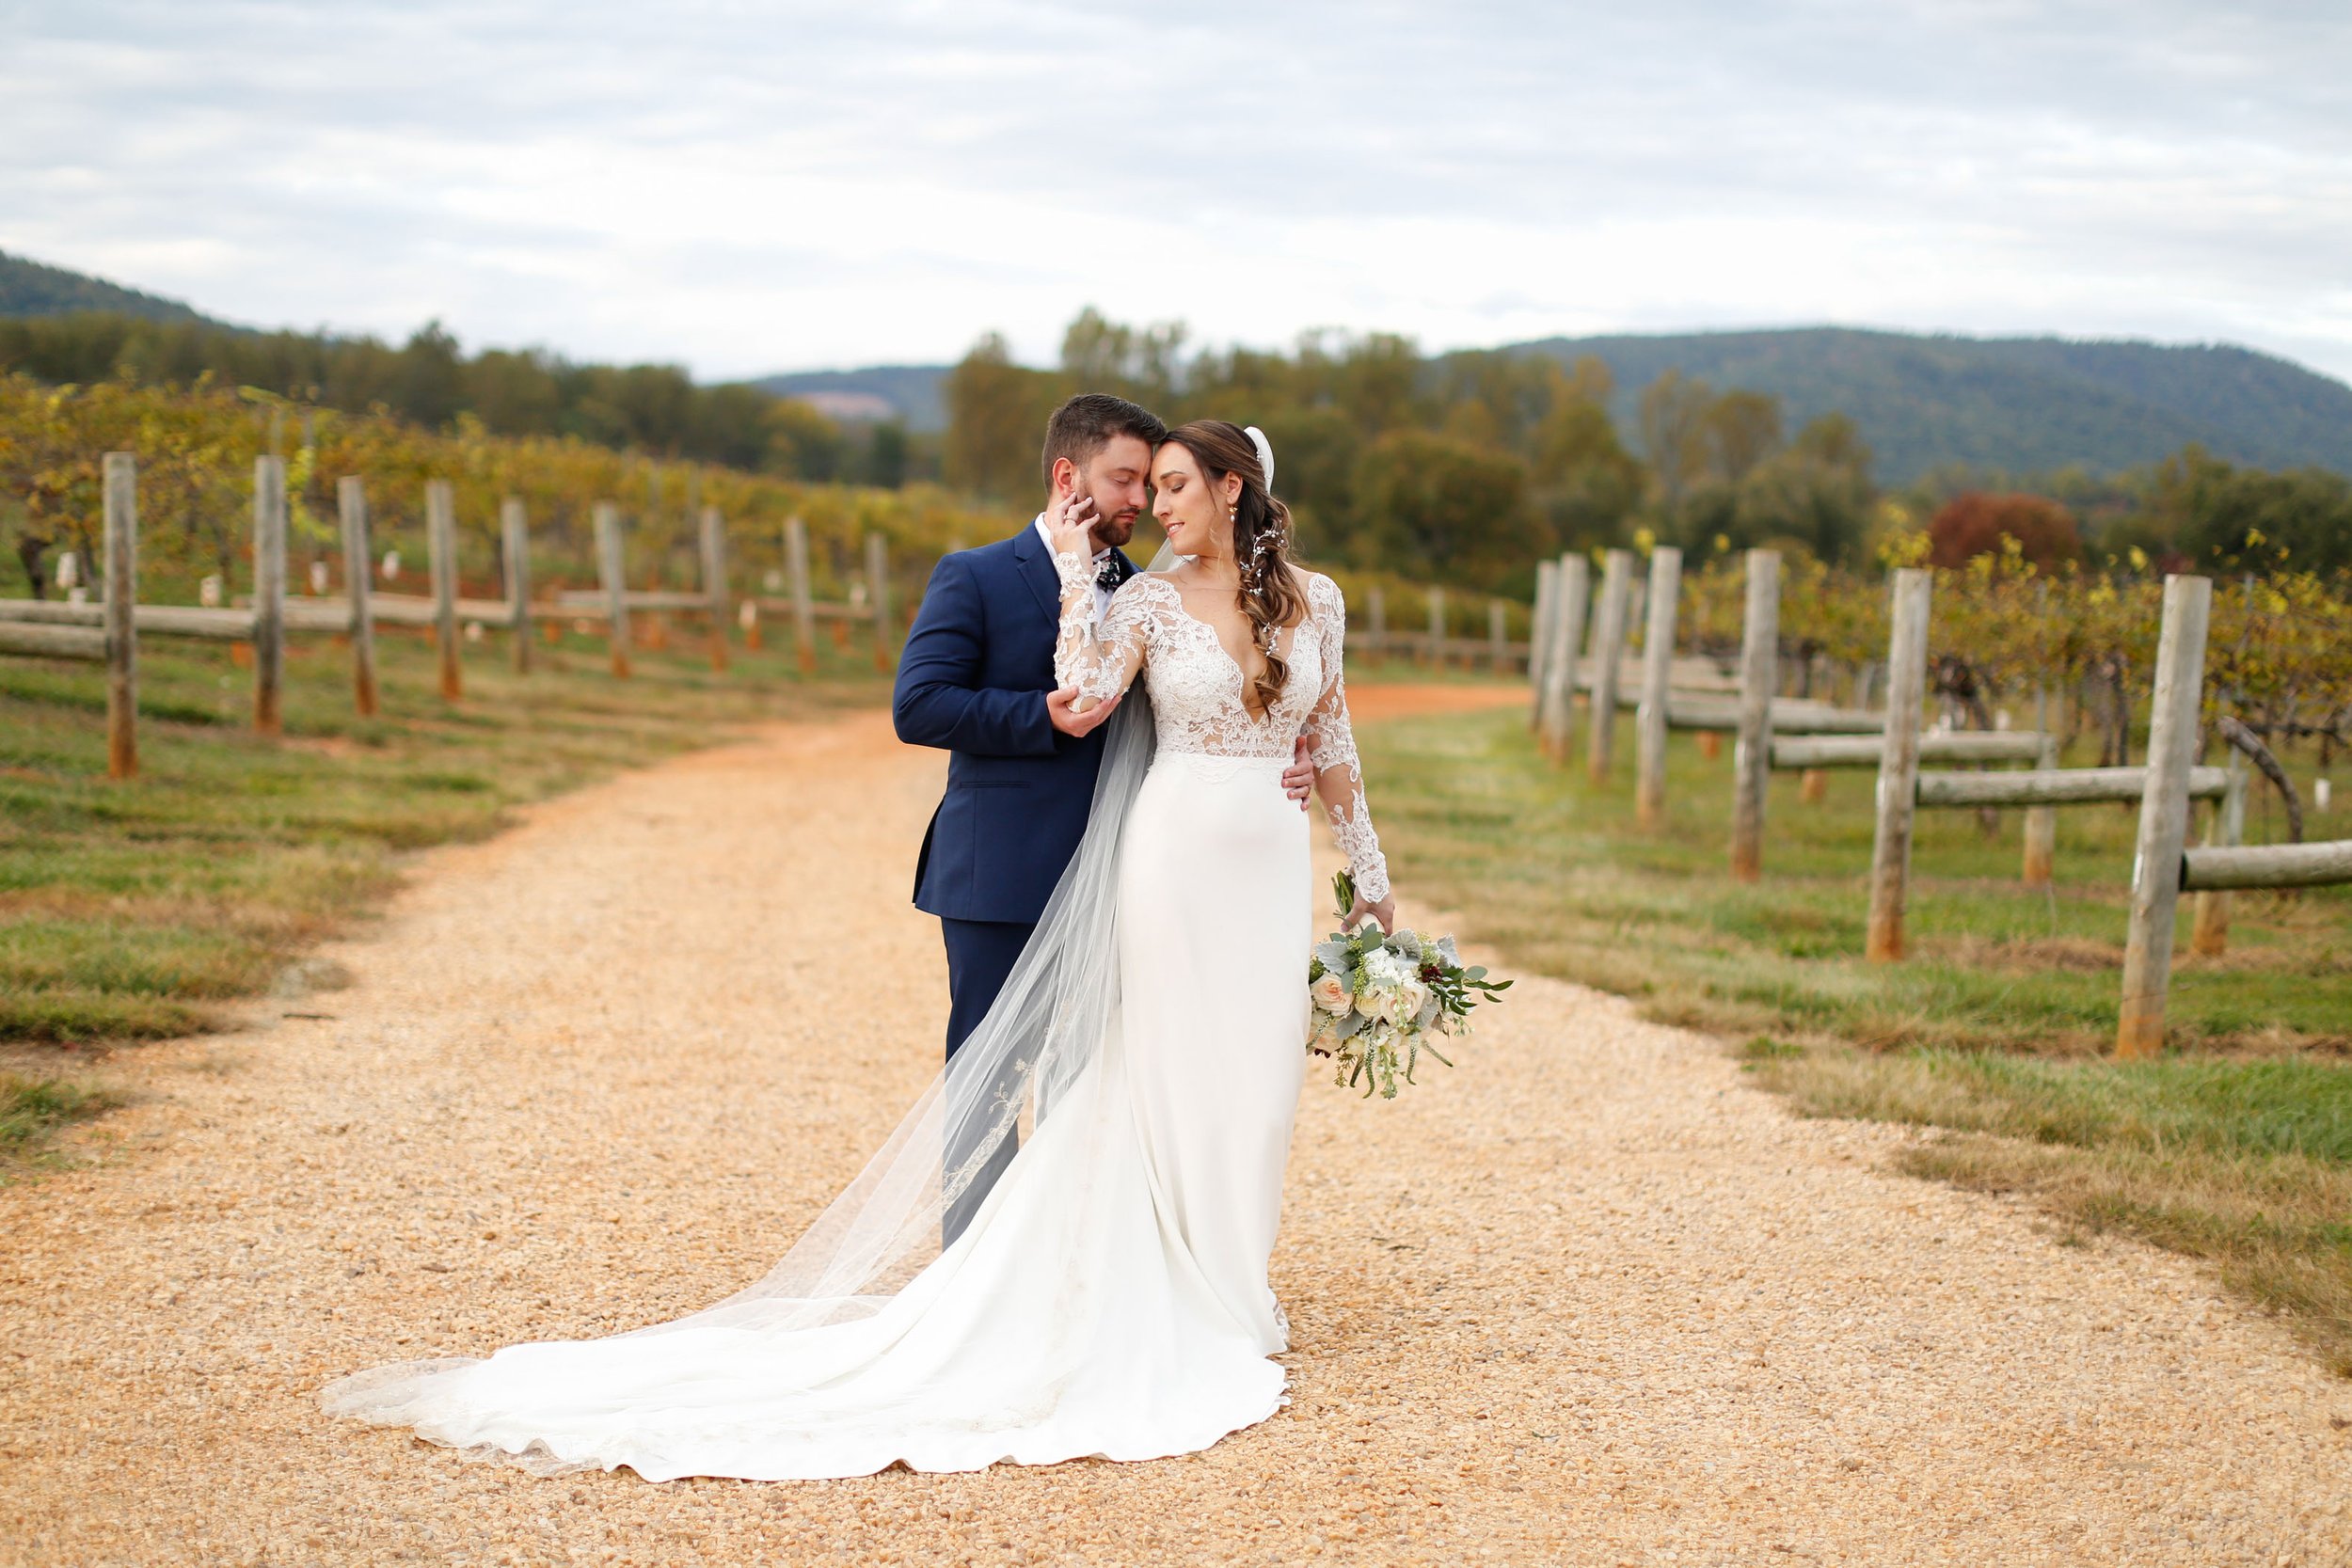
<point>1469,466</point>
<point>431,382</point>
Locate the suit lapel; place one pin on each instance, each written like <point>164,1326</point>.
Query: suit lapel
<point>1037,570</point>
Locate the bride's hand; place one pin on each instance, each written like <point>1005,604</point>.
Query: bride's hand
<point>1069,523</point>
<point>1384,912</point>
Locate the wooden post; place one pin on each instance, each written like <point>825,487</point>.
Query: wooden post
<point>1616,583</point>
<point>878,590</point>
<point>714,553</point>
<point>749,615</point>
<point>2209,934</point>
<point>2163,815</point>
<point>2042,821</point>
<point>1539,638</point>
<point>351,502</point>
<point>1569,607</point>
<point>1376,613</point>
<point>1760,674</point>
<point>1436,626</point>
<point>122,596</point>
<point>514,549</point>
<point>1899,764</point>
<point>1710,744</point>
<point>803,607</point>
<point>440,548</point>
<point>269,593</point>
<point>1657,654</point>
<point>611,564</point>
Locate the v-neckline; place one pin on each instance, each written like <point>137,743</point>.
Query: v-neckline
<point>1241,676</point>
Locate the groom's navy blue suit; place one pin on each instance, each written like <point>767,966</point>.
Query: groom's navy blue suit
<point>973,678</point>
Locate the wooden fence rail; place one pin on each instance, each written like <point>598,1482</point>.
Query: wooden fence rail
<point>2260,865</point>
<point>2064,786</point>
<point>108,631</point>
<point>1813,752</point>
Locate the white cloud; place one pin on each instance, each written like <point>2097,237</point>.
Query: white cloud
<point>754,188</point>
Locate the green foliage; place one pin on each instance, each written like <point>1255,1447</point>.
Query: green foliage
<point>431,382</point>
<point>996,414</point>
<point>2217,515</point>
<point>1434,506</point>
<point>197,448</point>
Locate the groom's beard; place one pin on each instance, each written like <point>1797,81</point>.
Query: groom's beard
<point>1115,527</point>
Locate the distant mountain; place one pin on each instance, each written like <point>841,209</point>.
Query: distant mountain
<point>31,289</point>
<point>907,392</point>
<point>2023,405</point>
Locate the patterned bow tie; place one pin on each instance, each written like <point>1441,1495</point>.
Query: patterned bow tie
<point>1107,574</point>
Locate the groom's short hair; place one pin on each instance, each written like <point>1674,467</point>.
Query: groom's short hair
<point>1087,424</point>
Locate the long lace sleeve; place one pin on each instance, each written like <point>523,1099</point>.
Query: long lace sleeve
<point>1331,743</point>
<point>1100,661</point>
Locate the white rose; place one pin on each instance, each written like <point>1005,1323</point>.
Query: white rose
<point>1331,996</point>
<point>1410,998</point>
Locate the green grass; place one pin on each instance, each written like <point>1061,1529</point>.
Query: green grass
<point>1560,874</point>
<point>2235,1147</point>
<point>31,1108</point>
<point>131,911</point>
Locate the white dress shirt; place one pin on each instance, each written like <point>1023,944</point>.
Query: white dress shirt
<point>1102,594</point>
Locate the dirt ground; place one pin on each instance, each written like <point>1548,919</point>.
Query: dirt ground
<point>1589,1299</point>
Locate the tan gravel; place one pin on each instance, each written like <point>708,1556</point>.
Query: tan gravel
<point>1591,1299</point>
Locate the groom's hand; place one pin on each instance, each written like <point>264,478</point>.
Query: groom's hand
<point>1068,719</point>
<point>1298,779</point>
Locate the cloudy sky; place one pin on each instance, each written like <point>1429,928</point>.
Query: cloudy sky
<point>754,187</point>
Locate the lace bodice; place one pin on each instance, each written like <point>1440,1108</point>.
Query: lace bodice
<point>1196,691</point>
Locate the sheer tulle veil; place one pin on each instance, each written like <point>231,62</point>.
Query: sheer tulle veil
<point>1048,1027</point>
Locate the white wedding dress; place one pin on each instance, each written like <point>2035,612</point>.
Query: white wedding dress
<point>1109,1297</point>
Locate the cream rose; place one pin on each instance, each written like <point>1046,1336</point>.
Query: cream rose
<point>1331,996</point>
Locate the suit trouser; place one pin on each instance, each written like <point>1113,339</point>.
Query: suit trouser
<point>980,956</point>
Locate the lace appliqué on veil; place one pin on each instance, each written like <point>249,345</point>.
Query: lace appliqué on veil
<point>1196,695</point>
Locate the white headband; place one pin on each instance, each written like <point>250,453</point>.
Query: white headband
<point>1265,453</point>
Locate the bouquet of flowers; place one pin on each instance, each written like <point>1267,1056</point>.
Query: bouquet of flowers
<point>1379,1001</point>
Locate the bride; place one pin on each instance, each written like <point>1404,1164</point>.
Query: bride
<point>1109,1297</point>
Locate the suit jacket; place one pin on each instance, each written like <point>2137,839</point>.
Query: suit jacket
<point>973,678</point>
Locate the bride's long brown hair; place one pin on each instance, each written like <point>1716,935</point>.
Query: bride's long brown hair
<point>1269,593</point>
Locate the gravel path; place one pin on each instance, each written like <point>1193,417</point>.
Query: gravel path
<point>1591,1299</point>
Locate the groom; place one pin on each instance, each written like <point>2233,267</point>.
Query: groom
<point>977,677</point>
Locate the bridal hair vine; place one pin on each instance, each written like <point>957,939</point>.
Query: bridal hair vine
<point>1269,538</point>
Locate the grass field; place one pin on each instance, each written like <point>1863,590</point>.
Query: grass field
<point>133,910</point>
<point>2235,1147</point>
